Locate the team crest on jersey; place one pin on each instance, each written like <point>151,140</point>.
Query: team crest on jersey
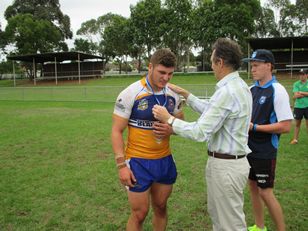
<point>262,99</point>
<point>170,105</point>
<point>143,104</point>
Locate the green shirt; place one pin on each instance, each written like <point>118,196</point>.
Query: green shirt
<point>299,86</point>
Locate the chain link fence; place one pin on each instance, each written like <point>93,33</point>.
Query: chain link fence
<point>86,93</point>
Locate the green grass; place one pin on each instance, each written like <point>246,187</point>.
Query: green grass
<point>58,173</point>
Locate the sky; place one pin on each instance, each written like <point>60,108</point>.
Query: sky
<point>80,11</point>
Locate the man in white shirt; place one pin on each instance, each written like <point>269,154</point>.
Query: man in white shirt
<point>224,125</point>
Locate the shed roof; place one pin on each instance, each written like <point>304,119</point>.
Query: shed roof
<point>278,43</point>
<point>50,57</point>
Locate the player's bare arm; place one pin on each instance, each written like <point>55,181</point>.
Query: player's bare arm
<point>119,124</point>
<point>278,128</point>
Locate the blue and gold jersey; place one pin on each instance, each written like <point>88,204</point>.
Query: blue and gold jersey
<point>135,103</point>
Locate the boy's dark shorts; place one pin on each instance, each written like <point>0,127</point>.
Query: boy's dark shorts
<point>262,171</point>
<point>299,113</point>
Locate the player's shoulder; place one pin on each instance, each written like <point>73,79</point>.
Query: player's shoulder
<point>278,87</point>
<point>133,88</point>
<point>172,93</point>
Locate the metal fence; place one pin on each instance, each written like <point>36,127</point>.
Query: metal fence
<point>86,93</point>
<point>89,93</point>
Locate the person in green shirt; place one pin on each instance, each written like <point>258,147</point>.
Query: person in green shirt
<point>300,90</point>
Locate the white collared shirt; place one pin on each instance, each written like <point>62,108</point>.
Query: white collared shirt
<point>225,117</point>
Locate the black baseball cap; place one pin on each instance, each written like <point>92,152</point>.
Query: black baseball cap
<point>303,71</point>
<point>261,55</point>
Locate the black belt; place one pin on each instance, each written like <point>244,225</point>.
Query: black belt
<point>224,156</point>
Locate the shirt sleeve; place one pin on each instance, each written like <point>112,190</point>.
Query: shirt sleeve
<point>178,104</point>
<point>124,104</point>
<point>198,105</point>
<point>210,121</point>
<point>282,104</point>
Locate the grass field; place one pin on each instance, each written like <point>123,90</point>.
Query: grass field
<point>58,173</point>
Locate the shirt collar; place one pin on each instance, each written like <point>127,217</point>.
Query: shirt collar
<point>227,79</point>
<point>269,83</point>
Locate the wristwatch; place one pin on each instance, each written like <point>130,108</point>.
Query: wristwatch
<point>170,120</point>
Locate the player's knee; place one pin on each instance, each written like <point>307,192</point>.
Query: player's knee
<point>160,209</point>
<point>140,214</point>
<point>266,193</point>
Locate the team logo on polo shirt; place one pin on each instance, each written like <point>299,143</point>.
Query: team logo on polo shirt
<point>143,105</point>
<point>262,99</point>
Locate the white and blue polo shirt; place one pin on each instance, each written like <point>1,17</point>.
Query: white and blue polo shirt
<point>270,105</point>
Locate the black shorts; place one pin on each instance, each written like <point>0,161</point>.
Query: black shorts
<point>299,113</point>
<point>262,171</point>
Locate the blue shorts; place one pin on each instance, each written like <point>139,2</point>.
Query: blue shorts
<point>148,171</point>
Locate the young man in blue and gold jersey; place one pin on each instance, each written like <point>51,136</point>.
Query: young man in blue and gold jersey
<point>145,165</point>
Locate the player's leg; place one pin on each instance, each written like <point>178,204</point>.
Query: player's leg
<point>274,207</point>
<point>159,196</point>
<point>296,131</point>
<point>256,201</point>
<point>139,203</point>
<point>306,118</point>
<point>257,204</point>
<point>298,115</point>
<point>139,195</point>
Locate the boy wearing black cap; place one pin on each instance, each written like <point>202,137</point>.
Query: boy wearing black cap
<point>271,116</point>
<point>300,90</point>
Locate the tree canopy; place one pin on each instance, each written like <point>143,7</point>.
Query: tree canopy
<point>36,26</point>
<point>180,25</point>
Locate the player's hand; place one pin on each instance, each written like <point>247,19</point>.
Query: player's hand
<point>160,113</point>
<point>162,130</point>
<point>178,90</point>
<point>250,126</point>
<point>127,177</point>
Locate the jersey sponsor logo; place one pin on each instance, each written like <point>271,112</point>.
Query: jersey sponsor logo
<point>262,99</point>
<point>143,105</point>
<point>119,105</point>
<point>141,123</point>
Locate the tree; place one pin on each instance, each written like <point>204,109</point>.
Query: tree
<point>147,23</point>
<point>36,26</point>
<point>265,24</point>
<point>291,18</point>
<point>48,10</point>
<point>94,31</point>
<point>302,6</point>
<point>84,45</point>
<point>178,30</point>
<point>234,19</point>
<point>203,30</point>
<point>22,32</point>
<point>289,22</point>
<point>117,38</point>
